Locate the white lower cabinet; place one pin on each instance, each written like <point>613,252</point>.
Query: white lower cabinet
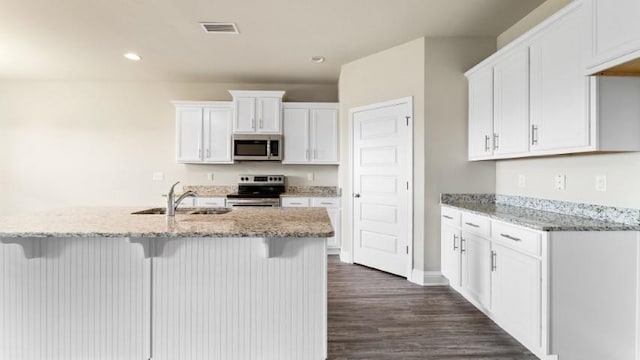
<point>568,295</point>
<point>476,268</point>
<point>516,292</point>
<point>332,204</point>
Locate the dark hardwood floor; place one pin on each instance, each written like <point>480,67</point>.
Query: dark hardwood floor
<point>375,315</point>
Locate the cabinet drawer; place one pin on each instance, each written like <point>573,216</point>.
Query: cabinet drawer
<point>516,237</point>
<point>210,202</point>
<point>450,216</point>
<point>295,202</point>
<point>325,202</point>
<point>480,225</point>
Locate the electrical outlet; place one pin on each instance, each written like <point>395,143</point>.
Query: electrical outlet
<point>522,181</point>
<point>310,176</point>
<point>157,176</point>
<point>561,182</point>
<point>210,176</point>
<point>601,183</point>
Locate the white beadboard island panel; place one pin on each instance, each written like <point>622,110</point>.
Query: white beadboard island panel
<point>220,298</point>
<point>84,298</point>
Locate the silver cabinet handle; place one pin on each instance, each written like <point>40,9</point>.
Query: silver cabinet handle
<point>510,237</point>
<point>253,123</point>
<point>208,153</point>
<point>326,203</point>
<point>199,152</point>
<point>486,143</point>
<point>306,155</point>
<point>534,134</point>
<point>462,240</point>
<point>315,153</point>
<point>496,141</point>
<point>493,261</point>
<point>472,224</point>
<point>447,217</point>
<point>455,237</point>
<point>261,124</point>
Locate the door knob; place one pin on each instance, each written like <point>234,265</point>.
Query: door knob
<point>356,195</point>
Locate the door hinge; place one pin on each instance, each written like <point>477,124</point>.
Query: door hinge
<point>407,185</point>
<point>407,117</point>
<point>407,249</point>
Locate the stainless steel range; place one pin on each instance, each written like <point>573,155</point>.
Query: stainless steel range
<point>258,190</point>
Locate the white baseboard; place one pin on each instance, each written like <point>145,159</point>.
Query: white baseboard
<point>427,278</point>
<point>333,251</point>
<point>345,257</point>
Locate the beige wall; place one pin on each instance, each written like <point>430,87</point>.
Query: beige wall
<point>622,170</point>
<point>430,70</point>
<point>98,143</point>
<point>446,167</point>
<point>391,74</point>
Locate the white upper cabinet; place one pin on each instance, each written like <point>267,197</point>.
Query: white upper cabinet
<point>559,90</point>
<point>615,33</point>
<point>257,111</point>
<point>203,132</point>
<point>543,104</point>
<point>481,114</point>
<point>511,103</point>
<point>310,133</point>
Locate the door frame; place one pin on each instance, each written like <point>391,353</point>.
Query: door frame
<point>408,171</point>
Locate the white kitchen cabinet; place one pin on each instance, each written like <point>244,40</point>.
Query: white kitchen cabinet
<point>450,250</point>
<point>560,119</point>
<point>257,111</point>
<point>203,132</point>
<point>614,33</point>
<point>516,293</point>
<point>476,268</point>
<point>511,103</point>
<point>310,133</point>
<point>332,204</point>
<point>210,201</point>
<point>481,114</point>
<point>542,102</point>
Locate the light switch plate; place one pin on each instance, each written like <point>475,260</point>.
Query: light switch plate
<point>601,183</point>
<point>157,176</point>
<point>561,182</point>
<point>310,176</point>
<point>210,176</point>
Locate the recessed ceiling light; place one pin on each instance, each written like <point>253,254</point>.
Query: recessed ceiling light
<point>318,59</point>
<point>133,56</point>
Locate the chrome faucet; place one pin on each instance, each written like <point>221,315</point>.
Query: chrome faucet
<point>172,204</point>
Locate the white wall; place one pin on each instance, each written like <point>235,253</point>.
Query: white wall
<point>622,170</point>
<point>98,143</point>
<point>430,70</point>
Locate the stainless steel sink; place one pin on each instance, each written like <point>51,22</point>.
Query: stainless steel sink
<point>184,211</point>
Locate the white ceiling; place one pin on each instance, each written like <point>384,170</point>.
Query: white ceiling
<point>85,39</point>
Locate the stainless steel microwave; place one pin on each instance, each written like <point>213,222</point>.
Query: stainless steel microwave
<point>257,147</point>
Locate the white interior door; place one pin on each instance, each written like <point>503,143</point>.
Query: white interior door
<point>382,172</point>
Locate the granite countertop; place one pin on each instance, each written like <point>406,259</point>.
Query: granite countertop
<point>119,222</point>
<point>539,219</point>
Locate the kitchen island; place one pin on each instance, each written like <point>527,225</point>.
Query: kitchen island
<point>102,283</point>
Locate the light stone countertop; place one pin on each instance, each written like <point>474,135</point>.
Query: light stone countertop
<point>538,219</point>
<point>119,222</point>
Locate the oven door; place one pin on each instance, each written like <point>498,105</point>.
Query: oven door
<point>235,202</point>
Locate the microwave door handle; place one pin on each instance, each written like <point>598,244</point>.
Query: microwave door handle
<point>268,149</point>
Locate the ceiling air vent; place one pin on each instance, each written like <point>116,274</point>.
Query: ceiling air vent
<point>220,28</point>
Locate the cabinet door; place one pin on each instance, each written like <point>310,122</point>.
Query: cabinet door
<point>334,215</point>
<point>615,30</point>
<point>476,268</point>
<point>511,103</point>
<point>296,136</point>
<point>450,243</point>
<point>481,114</point>
<point>269,110</point>
<point>516,291</point>
<point>189,130</point>
<point>244,114</point>
<point>218,135</point>
<point>559,89</point>
<point>324,136</point>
